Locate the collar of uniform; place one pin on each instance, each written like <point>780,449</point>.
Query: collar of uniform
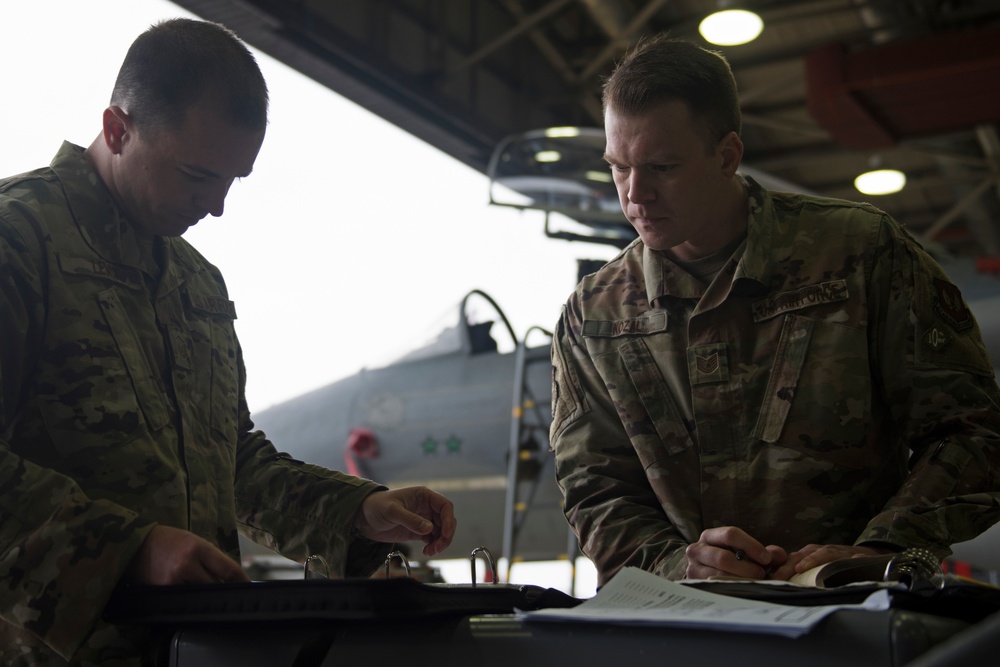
<point>663,278</point>
<point>93,208</point>
<point>100,220</point>
<point>752,275</point>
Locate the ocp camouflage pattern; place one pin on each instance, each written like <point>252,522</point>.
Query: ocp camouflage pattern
<point>829,386</point>
<point>122,407</point>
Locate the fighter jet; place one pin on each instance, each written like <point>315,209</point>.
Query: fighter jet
<point>465,413</point>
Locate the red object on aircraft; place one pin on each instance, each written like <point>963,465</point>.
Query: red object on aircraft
<point>361,444</point>
<point>988,264</point>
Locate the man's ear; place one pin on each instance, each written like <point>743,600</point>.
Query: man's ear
<point>116,126</point>
<point>731,149</point>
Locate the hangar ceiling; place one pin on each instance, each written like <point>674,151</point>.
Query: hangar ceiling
<point>829,88</point>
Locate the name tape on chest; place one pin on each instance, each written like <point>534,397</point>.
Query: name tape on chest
<point>632,326</point>
<point>804,297</point>
<point>96,267</point>
<point>213,305</point>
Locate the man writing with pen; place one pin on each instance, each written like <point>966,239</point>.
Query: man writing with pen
<point>762,382</point>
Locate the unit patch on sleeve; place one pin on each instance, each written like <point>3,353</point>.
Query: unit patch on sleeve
<point>950,306</point>
<point>936,339</point>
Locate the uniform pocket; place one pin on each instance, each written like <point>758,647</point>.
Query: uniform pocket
<point>213,337</point>
<point>225,379</point>
<point>568,399</point>
<point>658,407</point>
<point>147,390</point>
<point>106,394</point>
<point>783,383</point>
<point>819,394</point>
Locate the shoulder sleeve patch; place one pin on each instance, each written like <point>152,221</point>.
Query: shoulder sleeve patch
<point>946,331</point>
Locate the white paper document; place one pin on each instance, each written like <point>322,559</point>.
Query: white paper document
<point>637,597</point>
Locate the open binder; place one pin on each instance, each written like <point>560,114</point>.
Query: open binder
<point>913,579</point>
<point>322,600</point>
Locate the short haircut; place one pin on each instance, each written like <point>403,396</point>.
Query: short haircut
<point>178,63</point>
<point>662,69</point>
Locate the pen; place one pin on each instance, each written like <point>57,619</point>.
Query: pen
<point>742,555</point>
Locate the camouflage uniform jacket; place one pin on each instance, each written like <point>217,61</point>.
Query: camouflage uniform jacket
<point>122,407</point>
<point>783,398</point>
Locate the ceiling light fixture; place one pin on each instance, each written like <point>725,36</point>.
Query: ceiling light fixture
<point>731,27</point>
<point>880,182</point>
<point>562,132</point>
<point>548,156</point>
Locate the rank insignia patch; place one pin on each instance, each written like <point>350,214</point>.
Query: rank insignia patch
<point>950,306</point>
<point>708,364</point>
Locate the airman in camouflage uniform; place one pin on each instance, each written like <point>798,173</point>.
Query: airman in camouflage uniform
<point>122,415</point>
<point>812,377</point>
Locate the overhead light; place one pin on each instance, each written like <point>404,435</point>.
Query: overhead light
<point>731,27</point>
<point>602,176</point>
<point>548,156</point>
<point>880,182</point>
<point>562,132</point>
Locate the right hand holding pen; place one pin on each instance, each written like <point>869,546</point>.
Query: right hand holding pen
<point>729,551</point>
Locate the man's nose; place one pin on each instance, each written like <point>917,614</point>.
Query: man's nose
<point>639,188</point>
<point>214,200</point>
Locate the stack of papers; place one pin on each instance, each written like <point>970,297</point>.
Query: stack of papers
<point>637,597</point>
